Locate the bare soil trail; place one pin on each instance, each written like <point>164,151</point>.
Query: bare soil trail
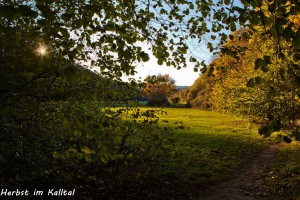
<point>245,184</point>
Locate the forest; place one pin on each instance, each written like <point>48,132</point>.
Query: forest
<point>72,128</point>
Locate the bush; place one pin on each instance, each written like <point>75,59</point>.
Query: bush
<point>82,146</point>
<point>175,99</point>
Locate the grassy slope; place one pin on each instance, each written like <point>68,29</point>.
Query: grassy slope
<point>209,149</point>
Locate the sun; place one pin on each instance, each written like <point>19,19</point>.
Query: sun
<point>41,50</point>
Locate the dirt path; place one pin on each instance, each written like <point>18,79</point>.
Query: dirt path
<point>246,183</point>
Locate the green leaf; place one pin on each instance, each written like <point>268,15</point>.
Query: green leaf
<point>296,57</point>
<point>255,20</point>
<point>8,11</point>
<point>251,83</point>
<point>281,11</point>
<point>66,16</point>
<point>88,158</point>
<point>26,11</point>
<point>160,61</point>
<point>232,26</point>
<point>271,7</point>
<point>282,73</point>
<point>42,22</point>
<point>144,56</point>
<point>46,11</point>
<point>273,31</point>
<point>296,43</point>
<point>191,6</point>
<point>265,68</point>
<point>227,2</point>
<point>246,36</point>
<point>275,125</point>
<point>265,131</point>
<point>267,59</point>
<point>287,33</point>
<point>65,32</point>
<point>56,155</point>
<point>259,63</point>
<point>258,80</point>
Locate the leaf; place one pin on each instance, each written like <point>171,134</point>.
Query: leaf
<point>227,2</point>
<point>262,64</point>
<point>259,63</point>
<point>273,31</point>
<point>88,158</point>
<point>282,73</point>
<point>296,57</point>
<point>66,16</point>
<point>265,131</point>
<point>287,33</point>
<point>56,155</point>
<point>245,35</point>
<point>191,6</point>
<point>65,32</point>
<point>265,69</point>
<point>251,83</point>
<point>160,61</point>
<point>255,20</point>
<point>275,125</point>
<point>42,22</point>
<point>296,43</point>
<point>271,7</point>
<point>258,80</point>
<point>46,11</point>
<point>267,59</point>
<point>26,11</point>
<point>232,26</point>
<point>8,11</point>
<point>144,56</point>
<point>281,11</point>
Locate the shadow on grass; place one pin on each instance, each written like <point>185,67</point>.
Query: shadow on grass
<point>193,162</point>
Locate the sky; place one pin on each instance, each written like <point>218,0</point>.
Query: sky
<point>183,77</point>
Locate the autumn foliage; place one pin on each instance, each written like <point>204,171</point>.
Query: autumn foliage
<point>159,89</point>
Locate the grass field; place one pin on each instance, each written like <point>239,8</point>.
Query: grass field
<point>206,147</point>
<point>283,179</point>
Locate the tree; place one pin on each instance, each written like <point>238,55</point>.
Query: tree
<point>54,116</point>
<point>159,89</point>
<point>199,93</point>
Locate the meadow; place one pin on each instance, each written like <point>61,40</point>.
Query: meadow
<point>208,147</point>
<point>205,147</point>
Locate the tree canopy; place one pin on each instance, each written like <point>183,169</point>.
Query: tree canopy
<point>159,89</point>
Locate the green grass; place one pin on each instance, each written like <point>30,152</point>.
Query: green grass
<point>283,180</point>
<point>206,147</point>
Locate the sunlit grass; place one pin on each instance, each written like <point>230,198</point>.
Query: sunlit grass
<point>283,180</point>
<point>206,147</point>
